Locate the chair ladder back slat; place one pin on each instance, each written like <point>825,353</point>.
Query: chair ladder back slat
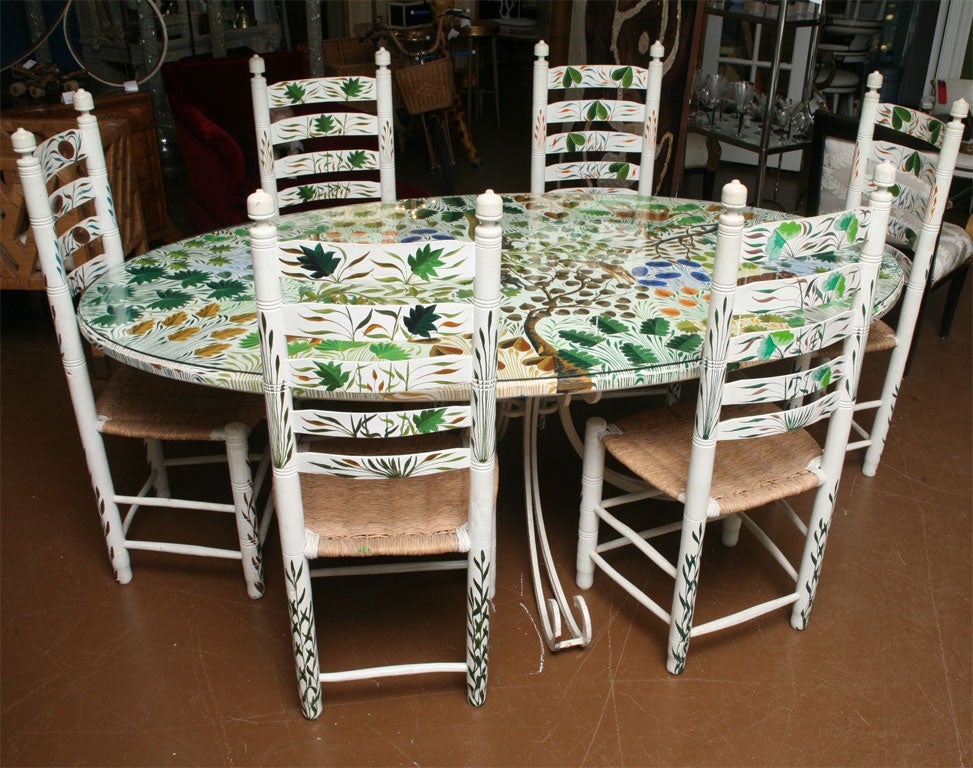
<point>642,115</point>
<point>352,127</point>
<point>321,423</point>
<point>333,161</point>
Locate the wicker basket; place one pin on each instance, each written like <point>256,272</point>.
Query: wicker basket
<point>426,87</point>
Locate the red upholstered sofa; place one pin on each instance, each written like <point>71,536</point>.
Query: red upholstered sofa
<point>211,105</point>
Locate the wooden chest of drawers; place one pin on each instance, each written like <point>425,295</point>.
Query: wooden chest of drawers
<point>136,109</point>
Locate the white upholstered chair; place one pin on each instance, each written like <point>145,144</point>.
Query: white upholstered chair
<point>410,473</point>
<point>604,140</point>
<point>742,445</point>
<point>342,143</point>
<point>131,403</point>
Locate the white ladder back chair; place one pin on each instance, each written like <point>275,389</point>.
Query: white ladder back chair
<point>626,157</point>
<point>355,112</point>
<point>921,193</point>
<point>131,403</point>
<point>744,443</point>
<point>393,474</point>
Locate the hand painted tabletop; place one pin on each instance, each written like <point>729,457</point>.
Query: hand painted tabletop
<point>599,291</point>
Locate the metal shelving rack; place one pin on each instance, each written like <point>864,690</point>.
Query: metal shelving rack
<point>762,140</point>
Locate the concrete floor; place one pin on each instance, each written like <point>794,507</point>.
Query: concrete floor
<point>180,667</point>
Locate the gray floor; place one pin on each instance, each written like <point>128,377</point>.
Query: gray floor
<point>181,668</point>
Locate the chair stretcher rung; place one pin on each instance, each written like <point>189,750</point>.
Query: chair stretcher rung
<point>183,549</point>
<point>368,570</point>
<point>393,671</point>
<point>629,587</point>
<point>637,541</point>
<point>648,533</point>
<point>745,615</point>
<point>155,501</point>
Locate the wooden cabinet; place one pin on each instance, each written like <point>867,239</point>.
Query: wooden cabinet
<point>136,110</point>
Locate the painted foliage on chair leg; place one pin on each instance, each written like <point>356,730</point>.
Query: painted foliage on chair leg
<point>301,610</point>
<point>684,605</point>
<point>478,630</point>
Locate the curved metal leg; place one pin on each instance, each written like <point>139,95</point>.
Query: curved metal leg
<point>551,610</point>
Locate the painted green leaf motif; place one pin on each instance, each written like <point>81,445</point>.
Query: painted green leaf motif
<point>894,190</point>
<point>836,284</point>
<point>190,277</point>
<point>571,75</point>
<point>352,87</point>
<point>685,221</point>
<point>574,142</point>
<point>339,345</point>
<point>331,375</point>
<point>170,299</point>
<point>823,376</point>
<point>657,326</point>
<point>250,341</point>
<point>900,116</point>
<point>357,158</point>
<point>796,321</point>
<point>596,111</point>
<point>935,128</point>
<point>624,75</point>
<point>767,348</point>
<point>686,342</point>
<point>324,124</point>
<point>421,321</point>
<point>388,351</point>
<point>849,223</point>
<point>295,93</point>
<point>306,193</point>
<point>783,233</point>
<point>426,422</point>
<point>425,261</point>
<point>637,354</point>
<point>578,358</point>
<point>451,216</point>
<point>914,163</point>
<point>620,170</point>
<point>297,346</point>
<point>581,338</point>
<point>226,289</point>
<point>318,262</point>
<point>116,315</point>
<point>146,273</point>
<point>608,324</point>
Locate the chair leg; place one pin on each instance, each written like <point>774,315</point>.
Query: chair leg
<point>684,594</point>
<point>731,530</point>
<point>157,461</point>
<point>952,299</point>
<point>241,485</point>
<point>592,482</point>
<point>810,569</point>
<point>477,622</point>
<point>300,608</point>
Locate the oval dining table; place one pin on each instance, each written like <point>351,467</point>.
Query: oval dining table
<point>600,292</point>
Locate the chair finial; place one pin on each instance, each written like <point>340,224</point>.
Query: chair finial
<point>257,66</point>
<point>875,80</point>
<point>734,194</point>
<point>83,101</point>
<point>960,109</point>
<point>658,50</point>
<point>382,57</point>
<point>23,141</point>
<point>260,206</point>
<point>885,174</point>
<point>541,49</point>
<point>489,205</point>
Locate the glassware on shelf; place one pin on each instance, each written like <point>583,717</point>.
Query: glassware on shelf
<point>708,96</point>
<point>742,93</point>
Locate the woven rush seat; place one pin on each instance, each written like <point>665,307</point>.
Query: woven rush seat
<point>407,516</point>
<point>656,446</point>
<point>139,404</point>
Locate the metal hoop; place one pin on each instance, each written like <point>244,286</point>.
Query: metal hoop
<point>152,72</point>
